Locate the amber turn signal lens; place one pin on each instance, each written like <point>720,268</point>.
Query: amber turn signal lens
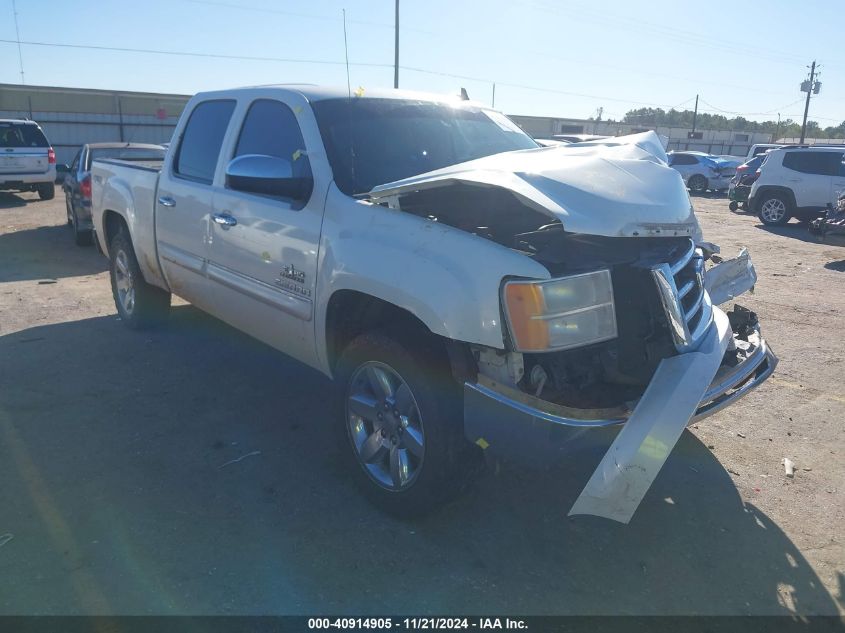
<point>525,302</point>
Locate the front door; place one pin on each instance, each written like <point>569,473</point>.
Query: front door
<point>263,250</point>
<point>184,202</point>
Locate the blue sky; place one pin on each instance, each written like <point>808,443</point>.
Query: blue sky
<point>546,57</point>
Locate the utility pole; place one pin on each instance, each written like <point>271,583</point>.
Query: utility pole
<point>810,85</point>
<point>396,50</point>
<point>691,135</point>
<point>18,38</point>
<point>493,105</point>
<point>777,130</point>
<point>694,115</point>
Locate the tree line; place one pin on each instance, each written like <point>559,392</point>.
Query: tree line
<point>653,117</point>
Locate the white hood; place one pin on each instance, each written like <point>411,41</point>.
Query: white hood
<point>616,187</point>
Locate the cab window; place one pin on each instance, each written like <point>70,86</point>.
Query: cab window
<point>199,148</point>
<point>270,128</point>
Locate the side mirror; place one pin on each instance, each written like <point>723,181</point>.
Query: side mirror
<point>268,175</point>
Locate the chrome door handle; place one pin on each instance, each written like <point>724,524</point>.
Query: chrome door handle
<point>224,219</point>
<point>166,201</point>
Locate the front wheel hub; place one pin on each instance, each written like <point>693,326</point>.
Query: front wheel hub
<point>390,447</point>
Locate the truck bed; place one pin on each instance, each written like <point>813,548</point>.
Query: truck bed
<point>147,165</point>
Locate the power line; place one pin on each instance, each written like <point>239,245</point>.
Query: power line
<point>329,62</point>
<point>309,16</point>
<point>152,51</point>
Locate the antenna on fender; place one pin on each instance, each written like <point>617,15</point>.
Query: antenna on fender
<point>346,53</point>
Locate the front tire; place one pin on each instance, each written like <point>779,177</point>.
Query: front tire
<point>400,423</point>
<point>774,210</point>
<point>733,206</point>
<point>46,191</point>
<point>139,304</point>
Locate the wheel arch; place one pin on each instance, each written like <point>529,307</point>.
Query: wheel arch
<point>350,313</point>
<point>767,190</point>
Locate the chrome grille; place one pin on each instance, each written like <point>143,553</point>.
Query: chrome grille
<point>680,284</point>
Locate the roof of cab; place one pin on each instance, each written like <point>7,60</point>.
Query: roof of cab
<point>321,93</point>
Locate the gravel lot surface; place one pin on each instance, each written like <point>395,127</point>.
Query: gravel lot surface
<point>116,496</point>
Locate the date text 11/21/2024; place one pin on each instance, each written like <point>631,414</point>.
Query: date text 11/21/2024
<point>424,623</point>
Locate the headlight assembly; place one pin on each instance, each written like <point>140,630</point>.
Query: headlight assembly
<point>560,314</point>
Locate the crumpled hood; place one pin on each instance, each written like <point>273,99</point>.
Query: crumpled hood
<point>616,187</point>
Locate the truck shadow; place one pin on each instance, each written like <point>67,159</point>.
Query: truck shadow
<point>46,252</point>
<point>793,229</point>
<point>9,200</point>
<point>192,470</point>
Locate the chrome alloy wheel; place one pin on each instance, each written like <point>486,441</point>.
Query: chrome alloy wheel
<point>385,426</point>
<point>124,282</point>
<point>773,210</point>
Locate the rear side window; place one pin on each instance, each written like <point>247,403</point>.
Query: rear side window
<point>820,163</point>
<point>202,139</point>
<point>270,128</point>
<point>21,135</point>
<point>683,159</point>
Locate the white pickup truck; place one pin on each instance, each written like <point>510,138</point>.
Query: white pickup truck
<point>469,291</point>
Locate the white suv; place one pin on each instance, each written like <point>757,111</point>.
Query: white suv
<point>797,182</point>
<point>27,161</point>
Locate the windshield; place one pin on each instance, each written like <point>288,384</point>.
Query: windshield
<point>126,153</point>
<point>371,142</point>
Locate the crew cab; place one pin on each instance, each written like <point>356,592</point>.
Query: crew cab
<point>470,292</point>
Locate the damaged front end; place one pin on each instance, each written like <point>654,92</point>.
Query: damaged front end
<point>676,359</point>
<point>623,345</point>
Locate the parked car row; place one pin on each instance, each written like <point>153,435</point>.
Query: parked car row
<point>793,181</point>
<point>28,163</point>
<point>77,182</point>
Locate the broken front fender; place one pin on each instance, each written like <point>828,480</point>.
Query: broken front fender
<point>730,278</point>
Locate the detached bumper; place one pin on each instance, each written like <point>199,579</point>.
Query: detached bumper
<point>513,423</point>
<point>685,388</point>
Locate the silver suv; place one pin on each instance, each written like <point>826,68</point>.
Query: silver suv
<point>27,161</point>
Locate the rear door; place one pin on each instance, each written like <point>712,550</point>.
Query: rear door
<point>686,164</point>
<point>23,149</point>
<point>837,181</point>
<point>184,201</point>
<point>264,266</point>
<point>808,174</point>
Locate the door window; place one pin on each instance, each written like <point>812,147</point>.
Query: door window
<point>202,139</point>
<point>270,128</point>
<point>820,163</point>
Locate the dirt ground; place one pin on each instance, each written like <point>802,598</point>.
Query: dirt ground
<point>119,493</point>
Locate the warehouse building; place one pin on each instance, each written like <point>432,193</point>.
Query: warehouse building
<point>71,117</point>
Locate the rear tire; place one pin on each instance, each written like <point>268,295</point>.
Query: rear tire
<point>400,423</point>
<point>139,304</point>
<point>774,209</point>
<point>47,191</point>
<point>81,237</point>
<point>697,184</point>
<point>733,206</point>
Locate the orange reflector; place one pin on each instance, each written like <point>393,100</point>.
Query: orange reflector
<point>525,301</point>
